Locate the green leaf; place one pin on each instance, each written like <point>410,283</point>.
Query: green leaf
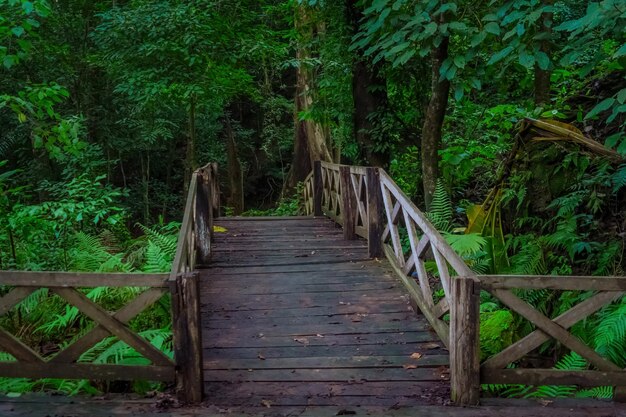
<point>493,28</point>
<point>620,52</point>
<point>500,55</point>
<point>542,60</point>
<point>459,61</point>
<point>611,141</point>
<point>458,92</point>
<point>399,48</point>
<point>430,28</point>
<point>458,26</point>
<point>621,96</point>
<point>18,31</point>
<point>27,6</point>
<point>526,59</point>
<point>600,107</point>
<point>478,39</point>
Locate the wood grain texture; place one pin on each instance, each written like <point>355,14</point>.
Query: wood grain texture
<point>333,316</point>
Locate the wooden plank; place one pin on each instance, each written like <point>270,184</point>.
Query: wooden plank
<point>393,227</point>
<point>362,389</point>
<point>318,187</point>
<point>180,258</point>
<point>314,330</point>
<point>442,329</point>
<point>346,319</point>
<point>537,338</point>
<point>327,362</point>
<point>568,283</point>
<point>81,279</point>
<point>203,217</point>
<point>212,340</point>
<point>553,377</point>
<point>356,374</point>
<point>14,297</point>
<point>422,275</point>
<point>187,330</point>
<point>464,342</point>
<point>87,371</point>
<point>116,327</point>
<point>348,203</point>
<point>73,352</point>
<point>301,351</point>
<point>375,209</point>
<point>314,287</point>
<point>554,330</point>
<point>17,349</point>
<point>442,268</point>
<point>327,311</point>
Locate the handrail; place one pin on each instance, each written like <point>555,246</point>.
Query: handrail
<point>196,230</point>
<point>193,248</point>
<point>364,199</point>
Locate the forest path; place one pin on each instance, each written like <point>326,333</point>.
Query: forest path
<point>294,315</point>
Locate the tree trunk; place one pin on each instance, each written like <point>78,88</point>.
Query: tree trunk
<point>310,136</point>
<point>369,93</point>
<point>433,121</point>
<point>542,77</point>
<point>235,175</point>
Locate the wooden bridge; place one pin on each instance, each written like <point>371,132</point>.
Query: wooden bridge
<point>335,311</point>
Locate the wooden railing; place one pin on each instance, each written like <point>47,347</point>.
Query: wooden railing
<point>67,362</point>
<point>194,247</point>
<point>367,202</point>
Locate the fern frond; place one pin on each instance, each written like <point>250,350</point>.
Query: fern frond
<point>440,213</point>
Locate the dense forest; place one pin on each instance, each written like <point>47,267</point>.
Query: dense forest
<point>107,107</point>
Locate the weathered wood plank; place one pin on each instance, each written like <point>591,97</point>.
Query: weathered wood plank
<point>348,204</point>
<point>125,314</point>
<point>14,297</point>
<point>327,362</point>
<point>357,374</point>
<point>568,283</point>
<point>302,351</point>
<point>553,377</point>
<point>80,279</point>
<point>87,371</point>
<point>375,210</point>
<point>17,349</point>
<point>187,331</point>
<point>116,327</point>
<point>554,330</point>
<point>536,338</point>
<point>464,341</point>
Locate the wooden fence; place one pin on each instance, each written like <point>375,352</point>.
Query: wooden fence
<point>186,369</point>
<point>65,364</point>
<point>368,203</point>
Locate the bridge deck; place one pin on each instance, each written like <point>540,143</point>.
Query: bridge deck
<point>293,315</point>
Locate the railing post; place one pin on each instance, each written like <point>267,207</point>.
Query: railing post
<point>464,341</point>
<point>318,188</point>
<point>187,338</point>
<point>215,190</point>
<point>374,213</point>
<point>203,218</point>
<point>348,203</point>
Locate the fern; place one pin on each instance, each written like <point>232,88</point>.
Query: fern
<point>156,259</point>
<point>618,179</point>
<point>571,361</point>
<point>440,213</point>
<point>610,333</point>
